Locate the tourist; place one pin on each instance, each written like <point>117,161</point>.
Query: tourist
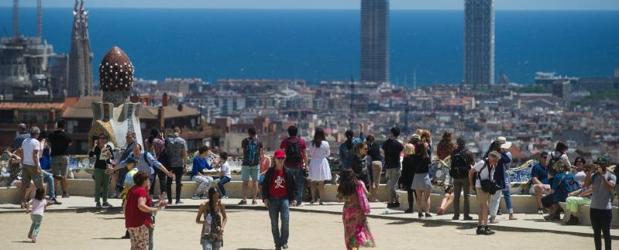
<point>31,171</point>
<point>252,149</point>
<point>127,185</point>
<point>278,190</point>
<point>319,169</point>
<point>483,172</point>
<point>359,166</point>
<point>506,159</point>
<point>212,217</point>
<point>445,146</point>
<point>448,196</point>
<point>562,184</point>
<point>45,161</point>
<point>295,147</point>
<point>176,150</point>
<point>578,198</point>
<point>346,151</point>
<point>156,146</point>
<point>578,170</point>
<point>15,165</point>
<point>200,164</point>
<point>461,162</point>
<point>376,165</point>
<point>444,150</point>
<point>354,215</point>
<point>130,143</point>
<point>426,137</point>
<point>265,164</point>
<point>408,174</point>
<point>602,184</point>
<point>225,175</point>
<point>22,134</point>
<point>392,149</point>
<point>499,177</point>
<point>37,209</point>
<point>421,182</point>
<point>139,213</point>
<point>102,152</point>
<point>60,142</point>
<point>558,159</point>
<point>540,184</point>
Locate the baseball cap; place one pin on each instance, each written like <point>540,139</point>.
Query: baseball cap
<point>603,160</point>
<point>279,154</point>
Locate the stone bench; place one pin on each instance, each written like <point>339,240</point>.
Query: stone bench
<point>585,218</point>
<point>521,203</point>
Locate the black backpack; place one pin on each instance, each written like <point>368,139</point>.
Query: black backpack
<point>459,166</point>
<point>293,153</point>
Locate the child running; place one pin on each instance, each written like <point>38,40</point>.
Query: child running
<point>36,210</point>
<point>212,217</point>
<point>356,208</point>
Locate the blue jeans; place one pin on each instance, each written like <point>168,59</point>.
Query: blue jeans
<point>222,181</point>
<point>49,179</point>
<point>299,179</point>
<point>279,208</point>
<point>508,201</point>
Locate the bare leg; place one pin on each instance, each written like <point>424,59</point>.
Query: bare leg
<point>254,189</point>
<point>428,201</point>
<point>321,191</point>
<point>63,183</point>
<point>245,184</point>
<point>538,196</point>
<point>313,187</point>
<point>420,205</point>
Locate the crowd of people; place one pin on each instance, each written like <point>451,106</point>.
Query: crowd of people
<point>407,164</point>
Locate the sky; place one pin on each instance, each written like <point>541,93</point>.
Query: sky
<point>330,4</point>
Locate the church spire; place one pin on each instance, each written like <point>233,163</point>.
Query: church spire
<point>80,57</point>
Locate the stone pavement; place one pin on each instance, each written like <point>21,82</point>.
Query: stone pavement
<point>525,222</point>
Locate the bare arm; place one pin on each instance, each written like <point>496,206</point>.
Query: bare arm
<point>471,181</point>
<point>145,208</point>
<point>224,216</point>
<point>608,185</point>
<point>200,213</point>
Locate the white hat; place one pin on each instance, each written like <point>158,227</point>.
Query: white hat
<point>504,143</point>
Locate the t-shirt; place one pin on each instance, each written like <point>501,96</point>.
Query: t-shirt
<point>392,149</point>
<point>28,146</point>
<point>59,141</point>
<point>102,158</point>
<point>225,168</point>
<point>374,152</point>
<point>199,164</point>
<point>540,172</point>
<point>134,217</point>
<point>601,197</point>
<point>174,150</point>
<point>483,173</point>
<point>38,206</point>
<point>301,146</point>
<point>19,139</point>
<point>251,151</point>
<point>278,188</point>
<point>129,178</point>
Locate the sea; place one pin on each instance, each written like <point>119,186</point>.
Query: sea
<point>426,46</point>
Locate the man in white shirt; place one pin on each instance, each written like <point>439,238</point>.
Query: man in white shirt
<point>482,171</point>
<point>31,170</point>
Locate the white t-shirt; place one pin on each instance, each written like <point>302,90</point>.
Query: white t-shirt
<point>225,168</point>
<point>28,146</point>
<point>38,206</point>
<point>484,174</point>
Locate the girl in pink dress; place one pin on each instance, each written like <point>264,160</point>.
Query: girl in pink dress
<point>356,208</point>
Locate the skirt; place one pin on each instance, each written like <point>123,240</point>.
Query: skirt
<point>422,182</point>
<point>319,170</point>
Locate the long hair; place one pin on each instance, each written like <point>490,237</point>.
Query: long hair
<point>211,193</point>
<point>348,183</point>
<point>349,135</point>
<point>40,194</point>
<point>422,150</point>
<point>494,146</point>
<point>425,135</point>
<point>319,136</point>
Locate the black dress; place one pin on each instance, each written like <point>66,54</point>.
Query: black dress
<point>408,172</point>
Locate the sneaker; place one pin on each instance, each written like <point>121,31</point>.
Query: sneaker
<point>428,215</point>
<point>480,230</point>
<point>107,205</point>
<point>455,217</point>
<point>179,202</point>
<point>420,215</point>
<point>492,220</point>
<point>285,246</point>
<point>488,231</point>
<point>243,202</point>
<point>56,202</point>
<point>98,205</point>
<point>278,248</point>
<point>466,217</point>
<point>540,211</point>
<point>195,197</point>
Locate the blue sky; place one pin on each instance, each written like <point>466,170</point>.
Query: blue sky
<point>331,4</point>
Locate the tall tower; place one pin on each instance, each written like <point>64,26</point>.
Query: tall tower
<point>375,41</point>
<point>479,42</point>
<point>80,57</point>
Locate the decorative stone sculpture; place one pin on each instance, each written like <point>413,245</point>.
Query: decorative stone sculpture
<point>115,115</point>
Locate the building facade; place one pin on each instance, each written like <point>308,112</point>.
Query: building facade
<point>375,41</point>
<point>479,42</point>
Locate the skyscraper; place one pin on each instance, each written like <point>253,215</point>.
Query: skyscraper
<point>80,57</point>
<point>374,40</point>
<point>479,42</point>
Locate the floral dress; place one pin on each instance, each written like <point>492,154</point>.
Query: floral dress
<point>357,233</point>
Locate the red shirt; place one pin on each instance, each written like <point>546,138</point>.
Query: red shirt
<point>278,188</point>
<point>133,216</point>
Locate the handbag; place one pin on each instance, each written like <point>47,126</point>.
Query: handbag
<point>488,185</point>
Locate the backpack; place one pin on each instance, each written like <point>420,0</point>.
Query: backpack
<point>571,183</point>
<point>252,158</point>
<point>293,153</point>
<point>459,167</point>
<point>555,163</point>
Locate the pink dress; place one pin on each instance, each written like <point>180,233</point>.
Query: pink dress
<point>357,233</point>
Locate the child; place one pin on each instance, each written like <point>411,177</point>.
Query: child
<point>225,173</point>
<point>214,215</point>
<point>127,184</point>
<point>37,208</point>
<point>356,208</point>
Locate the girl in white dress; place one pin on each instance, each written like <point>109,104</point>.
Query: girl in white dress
<point>319,169</point>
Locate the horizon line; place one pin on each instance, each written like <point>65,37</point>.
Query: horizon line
<point>296,9</point>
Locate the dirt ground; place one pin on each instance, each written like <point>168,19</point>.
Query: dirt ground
<point>250,230</point>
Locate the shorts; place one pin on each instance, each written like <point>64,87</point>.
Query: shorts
<point>545,190</point>
<point>30,173</point>
<point>60,165</point>
<point>248,172</point>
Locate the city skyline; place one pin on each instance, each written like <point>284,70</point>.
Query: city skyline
<point>326,4</point>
